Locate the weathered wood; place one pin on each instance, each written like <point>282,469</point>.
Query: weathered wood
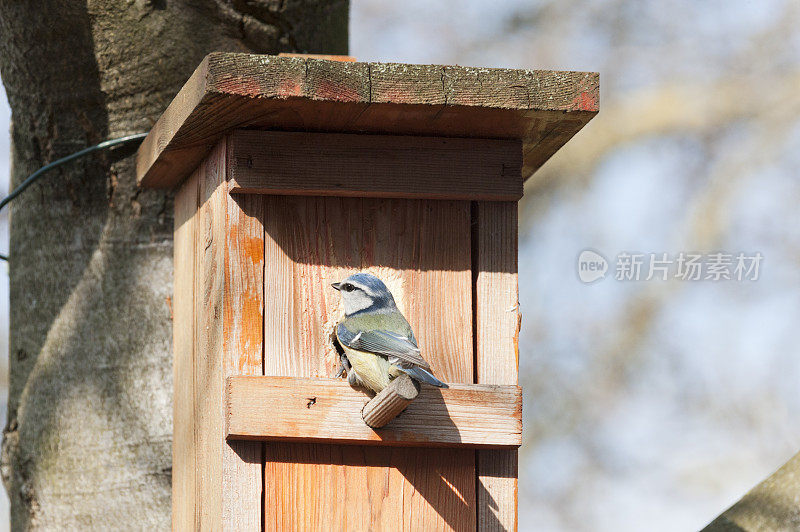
<point>329,164</point>
<point>344,58</point>
<point>183,331</point>
<point>447,263</point>
<point>242,470</point>
<point>226,252</point>
<point>543,109</point>
<point>497,354</point>
<point>388,404</point>
<point>209,342</point>
<point>497,293</point>
<point>330,411</point>
<point>498,471</point>
<point>311,242</point>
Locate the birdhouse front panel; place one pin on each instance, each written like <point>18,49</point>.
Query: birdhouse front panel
<point>293,174</point>
<point>263,304</point>
<point>422,250</point>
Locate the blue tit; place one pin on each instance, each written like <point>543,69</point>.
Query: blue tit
<point>377,341</point>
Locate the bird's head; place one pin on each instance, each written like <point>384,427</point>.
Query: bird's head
<point>362,291</point>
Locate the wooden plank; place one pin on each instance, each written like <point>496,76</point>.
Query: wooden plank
<point>329,411</point>
<point>183,433</point>
<point>209,342</point>
<point>345,58</point>
<point>498,471</point>
<point>497,354</point>
<point>242,470</point>
<point>361,495</point>
<point>541,108</point>
<point>183,157</point>
<point>329,164</point>
<point>311,242</point>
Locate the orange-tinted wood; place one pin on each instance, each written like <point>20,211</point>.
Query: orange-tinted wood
<point>228,259</point>
<point>198,321</point>
<point>242,470</point>
<point>421,249</point>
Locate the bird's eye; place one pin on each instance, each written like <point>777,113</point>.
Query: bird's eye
<point>347,287</point>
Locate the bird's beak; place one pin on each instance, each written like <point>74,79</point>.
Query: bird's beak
<point>336,285</point>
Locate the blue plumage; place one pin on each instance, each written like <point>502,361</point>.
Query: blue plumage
<point>378,341</point>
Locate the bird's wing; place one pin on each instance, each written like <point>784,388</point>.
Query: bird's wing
<point>383,342</point>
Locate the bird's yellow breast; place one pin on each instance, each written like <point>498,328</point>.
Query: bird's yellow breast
<point>374,371</point>
<point>371,369</point>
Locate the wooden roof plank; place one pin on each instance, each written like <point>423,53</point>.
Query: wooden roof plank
<point>231,90</point>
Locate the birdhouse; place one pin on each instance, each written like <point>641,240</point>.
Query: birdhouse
<point>291,173</point>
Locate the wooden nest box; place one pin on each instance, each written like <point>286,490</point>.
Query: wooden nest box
<point>292,173</point>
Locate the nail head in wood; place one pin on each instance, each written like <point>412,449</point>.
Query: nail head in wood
<point>462,415</point>
<point>392,400</point>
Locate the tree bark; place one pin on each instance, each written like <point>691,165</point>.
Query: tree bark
<point>771,505</point>
<point>87,443</point>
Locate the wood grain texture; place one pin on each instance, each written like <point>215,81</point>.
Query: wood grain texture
<point>390,402</point>
<point>541,108</point>
<point>183,432</point>
<point>218,332</point>
<point>498,473</point>
<point>345,58</point>
<point>329,411</point>
<point>497,354</point>
<point>422,491</point>
<point>421,249</point>
<point>329,164</point>
<point>242,470</point>
<point>209,342</point>
<point>497,293</point>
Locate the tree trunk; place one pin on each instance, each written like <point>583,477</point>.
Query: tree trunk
<point>771,505</point>
<point>87,444</point>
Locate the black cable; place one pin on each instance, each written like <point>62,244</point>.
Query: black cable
<point>77,155</point>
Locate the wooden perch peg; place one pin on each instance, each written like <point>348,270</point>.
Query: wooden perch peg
<point>392,400</point>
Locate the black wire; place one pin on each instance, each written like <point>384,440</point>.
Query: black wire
<point>77,155</point>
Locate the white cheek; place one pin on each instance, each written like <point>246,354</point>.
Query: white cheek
<point>356,301</point>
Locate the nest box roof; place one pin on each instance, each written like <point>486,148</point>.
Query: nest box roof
<point>542,108</point>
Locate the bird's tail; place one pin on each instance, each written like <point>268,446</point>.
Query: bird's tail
<point>421,375</point>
